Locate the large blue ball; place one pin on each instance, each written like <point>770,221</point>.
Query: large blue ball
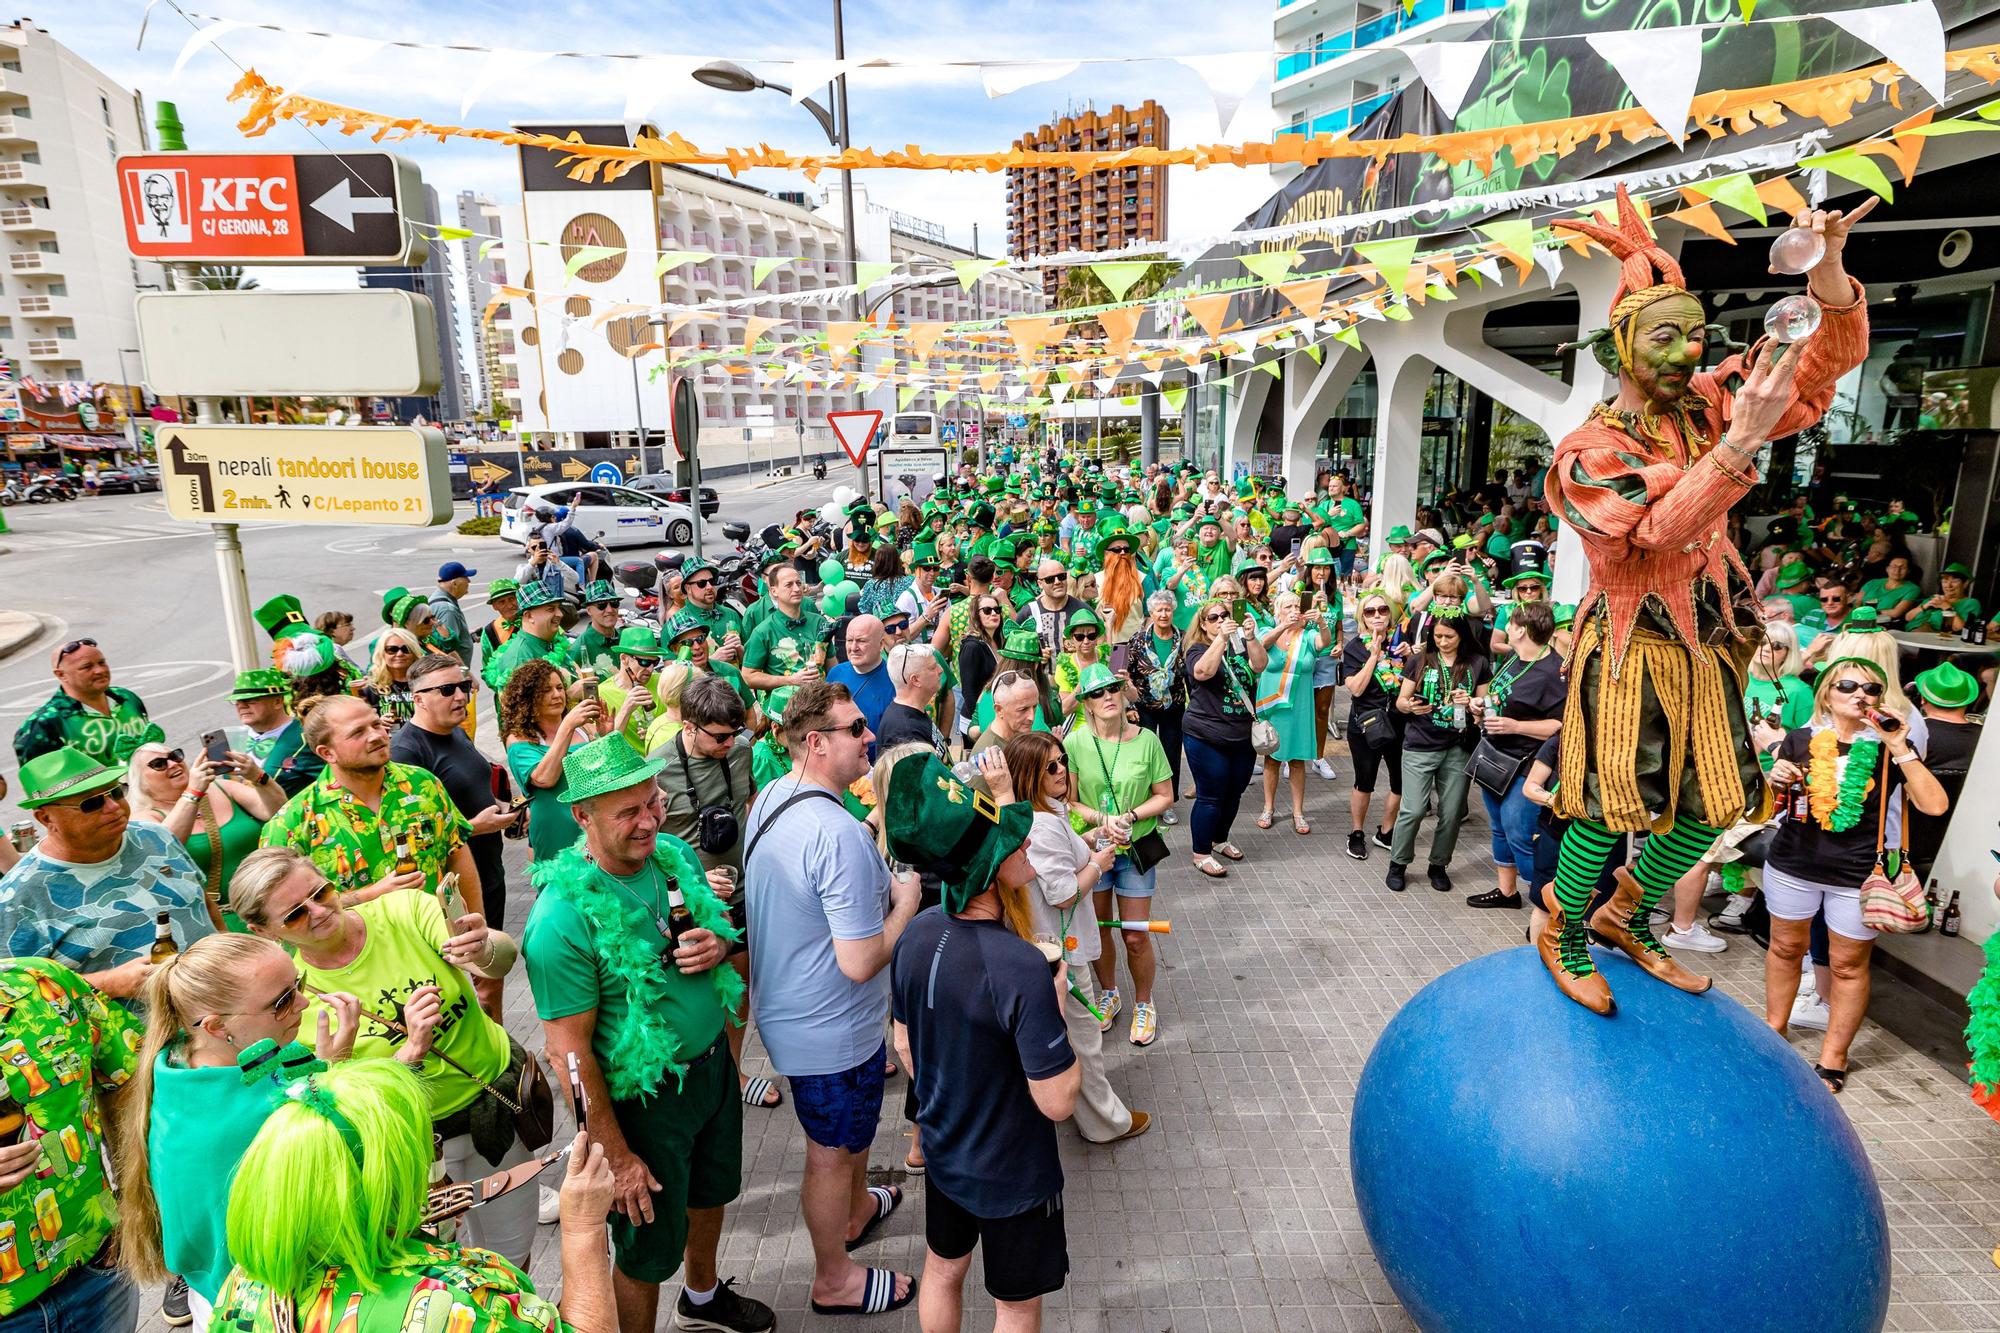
<point>1522,1163</point>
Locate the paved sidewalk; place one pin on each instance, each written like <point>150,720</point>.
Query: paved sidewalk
<point>17,630</point>
<point>1236,1211</point>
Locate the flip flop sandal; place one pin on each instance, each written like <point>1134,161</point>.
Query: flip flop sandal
<point>1835,1079</point>
<point>1211,867</point>
<point>1228,849</point>
<point>757,1089</point>
<point>914,1168</point>
<point>888,1198</point>
<point>1264,820</point>
<point>878,1295</point>
<point>1300,827</point>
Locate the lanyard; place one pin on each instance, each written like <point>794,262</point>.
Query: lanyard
<point>666,930</point>
<point>1503,681</point>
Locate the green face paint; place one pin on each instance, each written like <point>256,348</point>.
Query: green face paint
<point>1668,340</point>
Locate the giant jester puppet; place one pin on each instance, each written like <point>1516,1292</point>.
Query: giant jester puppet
<point>1654,739</point>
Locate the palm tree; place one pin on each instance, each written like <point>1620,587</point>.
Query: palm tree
<point>1079,286</point>
<point>223,278</point>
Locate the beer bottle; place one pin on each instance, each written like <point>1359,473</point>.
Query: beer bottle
<point>679,919</point>
<point>1949,926</point>
<point>406,860</point>
<point>163,939</point>
<point>1931,917</point>
<point>13,1117</point>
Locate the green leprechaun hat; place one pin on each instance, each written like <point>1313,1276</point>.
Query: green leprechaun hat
<point>606,764</point>
<point>281,615</point>
<point>951,829</point>
<point>1021,644</point>
<point>260,684</point>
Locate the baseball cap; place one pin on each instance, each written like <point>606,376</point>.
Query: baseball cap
<point>451,569</point>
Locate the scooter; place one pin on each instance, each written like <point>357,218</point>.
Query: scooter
<point>43,490</point>
<point>819,469</point>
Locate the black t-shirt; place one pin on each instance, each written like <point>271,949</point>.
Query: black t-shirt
<point>1419,732</point>
<point>981,1009</point>
<point>1283,536</point>
<point>467,776</point>
<point>902,724</point>
<point>1804,849</point>
<point>1536,694</point>
<point>1215,711</point>
<point>1377,694</point>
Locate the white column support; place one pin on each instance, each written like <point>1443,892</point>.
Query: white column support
<point>1312,390</point>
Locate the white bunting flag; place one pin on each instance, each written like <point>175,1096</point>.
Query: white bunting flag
<point>1447,69</point>
<point>1012,76</point>
<point>1230,79</point>
<point>1661,66</point>
<point>499,67</point>
<point>1911,35</point>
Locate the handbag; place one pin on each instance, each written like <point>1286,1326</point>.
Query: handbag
<point>1263,733</point>
<point>1494,769</point>
<point>1892,897</point>
<point>1376,728</point>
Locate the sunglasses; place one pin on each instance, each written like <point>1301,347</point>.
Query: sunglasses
<point>699,583</point>
<point>1056,767</point>
<point>1054,578</point>
<point>1117,550</point>
<point>856,729</point>
<point>1084,636</point>
<point>282,1004</point>
<point>1871,688</point>
<point>1214,618</point>
<point>94,802</point>
<point>448,689</point>
<point>1833,597</point>
<point>719,737</point>
<point>73,645</point>
<point>325,895</point>
<point>1107,691</point>
<point>1374,610</point>
<point>395,650</point>
<point>160,763</point>
<point>989,610</point>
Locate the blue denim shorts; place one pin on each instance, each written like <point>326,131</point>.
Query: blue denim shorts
<point>841,1110</point>
<point>1128,881</point>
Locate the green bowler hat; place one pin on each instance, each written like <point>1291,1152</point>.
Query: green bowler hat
<point>280,615</point>
<point>601,592</point>
<point>606,764</point>
<point>638,641</point>
<point>1096,679</point>
<point>1021,644</point>
<point>1946,686</point>
<point>940,824</point>
<point>62,774</point>
<point>259,684</point>
<point>536,594</point>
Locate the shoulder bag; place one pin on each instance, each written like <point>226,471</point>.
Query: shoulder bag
<point>1263,735</point>
<point>1892,900</point>
<point>1147,850</point>
<point>1494,769</point>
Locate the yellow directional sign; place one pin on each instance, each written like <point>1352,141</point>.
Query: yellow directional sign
<point>483,472</point>
<point>305,474</point>
<point>575,471</point>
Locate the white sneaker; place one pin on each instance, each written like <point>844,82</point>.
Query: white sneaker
<point>1695,938</point>
<point>1323,769</point>
<point>1660,916</point>
<point>1809,1011</point>
<point>549,1209</point>
<point>1734,910</point>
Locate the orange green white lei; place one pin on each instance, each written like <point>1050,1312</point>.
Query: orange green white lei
<point>1837,798</point>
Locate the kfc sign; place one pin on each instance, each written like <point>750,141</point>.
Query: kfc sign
<point>269,208</point>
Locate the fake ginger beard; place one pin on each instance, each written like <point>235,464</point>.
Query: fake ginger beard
<point>1118,589</point>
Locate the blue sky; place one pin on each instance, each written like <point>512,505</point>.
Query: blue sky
<point>940,109</point>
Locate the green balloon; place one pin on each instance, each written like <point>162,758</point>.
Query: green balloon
<point>831,572</point>
<point>832,604</point>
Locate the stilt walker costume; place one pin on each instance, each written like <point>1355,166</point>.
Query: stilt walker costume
<point>1654,738</point>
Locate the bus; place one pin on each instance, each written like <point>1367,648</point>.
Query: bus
<point>917,430</point>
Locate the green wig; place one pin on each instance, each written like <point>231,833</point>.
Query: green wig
<point>300,1203</point>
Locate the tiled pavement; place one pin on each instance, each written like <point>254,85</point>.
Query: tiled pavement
<point>1236,1211</point>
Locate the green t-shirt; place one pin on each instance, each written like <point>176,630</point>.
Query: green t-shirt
<point>550,827</point>
<point>425,1290</point>
<point>1890,601</point>
<point>62,1047</point>
<point>1803,605</point>
<point>1116,777</point>
<point>612,696</point>
<point>406,931</point>
<point>521,648</point>
<point>596,651</point>
<point>783,646</point>
<point>1341,514</point>
<point>1792,698</point>
<point>1965,608</point>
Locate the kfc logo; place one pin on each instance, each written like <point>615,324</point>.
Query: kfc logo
<point>159,198</point>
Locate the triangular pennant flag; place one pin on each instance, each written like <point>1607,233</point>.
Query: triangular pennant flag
<point>1661,66</point>
<point>499,67</point>
<point>1010,76</point>
<point>1175,397</point>
<point>1030,333</point>
<point>332,58</point>
<point>1516,236</point>
<point>1119,277</point>
<point>1850,165</point>
<point>1120,325</point>
<point>1317,353</point>
<point>753,329</point>
<point>1153,377</point>
<point>1910,35</point>
<point>1906,149</point>
<point>1104,387</point>
<point>644,80</point>
<point>763,268</point>
<point>1230,78</point>
<point>1272,268</point>
<point>201,41</point>
<point>1702,218</point>
<point>922,337</point>
<point>1349,335</point>
<point>486,246</point>
<point>1748,7</point>
<point>454,233</point>
<point>1398,311</point>
<point>1058,392</point>
<point>972,270</point>
<point>1782,195</point>
<point>673,259</point>
<point>588,254</point>
<point>1273,368</point>
<point>1489,268</point>
<point>1447,69</point>
<point>1307,295</point>
<point>840,338</point>
<point>1208,311</point>
<point>810,76</point>
<point>1738,192</point>
<point>1391,259</point>
<point>868,272</point>
<point>1551,262</point>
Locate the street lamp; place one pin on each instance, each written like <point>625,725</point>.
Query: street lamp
<point>131,426</point>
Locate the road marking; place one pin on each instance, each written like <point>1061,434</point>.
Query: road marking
<point>154,679</point>
<point>73,538</point>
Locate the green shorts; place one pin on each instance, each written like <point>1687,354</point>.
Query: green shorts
<point>692,1142</point>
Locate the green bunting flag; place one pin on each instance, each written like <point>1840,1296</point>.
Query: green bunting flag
<point>588,254</point>
<point>1514,235</point>
<point>871,271</point>
<point>1272,268</point>
<point>673,259</point>
<point>1175,396</point>
<point>454,233</point>
<point>1391,258</point>
<point>1851,165</point>
<point>1738,192</point>
<point>1118,277</point>
<point>972,270</point>
<point>763,268</point>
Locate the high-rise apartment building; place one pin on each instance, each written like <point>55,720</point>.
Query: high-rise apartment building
<point>1056,209</point>
<point>1338,61</point>
<point>483,275</point>
<point>432,280</point>
<point>67,282</point>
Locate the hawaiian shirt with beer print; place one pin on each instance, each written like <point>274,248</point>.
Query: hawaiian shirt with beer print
<point>436,1289</point>
<point>61,1047</point>
<point>354,846</point>
<point>109,738</point>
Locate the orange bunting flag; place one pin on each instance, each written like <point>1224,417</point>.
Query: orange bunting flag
<point>1120,326</point>
<point>1208,311</point>
<point>1700,215</point>
<point>923,337</point>
<point>1031,332</point>
<point>840,337</point>
<point>754,327</point>
<point>1307,295</point>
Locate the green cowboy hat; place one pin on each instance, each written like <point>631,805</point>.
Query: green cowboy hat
<point>1319,555</point>
<point>1462,542</point>
<point>770,558</point>
<point>1021,644</point>
<point>606,764</point>
<point>1398,535</point>
<point>638,641</point>
<point>260,684</point>
<point>280,615</point>
<point>1946,686</point>
<point>536,594</point>
<point>992,484</point>
<point>1863,620</point>
<point>885,521</point>
<point>601,592</point>
<point>1793,571</point>
<point>1436,557</point>
<point>499,588</point>
<point>774,704</point>
<point>940,824</point>
<point>1000,550</point>
<point>1096,679</point>
<point>62,774</point>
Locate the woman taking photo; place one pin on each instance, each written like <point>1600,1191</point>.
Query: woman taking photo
<point>1522,707</point>
<point>1066,870</point>
<point>1119,784</point>
<point>1372,673</point>
<point>539,727</point>
<point>216,817</point>
<point>408,964</point>
<point>205,1007</point>
<point>387,684</point>
<point>1319,590</point>
<point>1435,697</point>
<point>1843,758</point>
<point>1154,666</point>
<point>1285,698</point>
<point>322,1217</point>
<point>1221,661</point>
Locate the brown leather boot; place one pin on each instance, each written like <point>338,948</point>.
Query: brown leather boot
<point>1614,922</point>
<point>1591,991</point>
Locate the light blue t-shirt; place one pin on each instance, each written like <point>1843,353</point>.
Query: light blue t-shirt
<point>816,878</point>
<point>872,693</point>
<point>90,918</point>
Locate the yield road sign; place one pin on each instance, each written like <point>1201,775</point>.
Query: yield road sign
<point>305,474</point>
<point>270,208</point>
<point>855,430</point>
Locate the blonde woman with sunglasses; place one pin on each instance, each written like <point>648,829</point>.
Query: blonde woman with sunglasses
<point>1371,671</point>
<point>217,814</point>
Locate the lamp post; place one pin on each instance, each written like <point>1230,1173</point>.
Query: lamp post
<point>693,455</point>
<point>729,77</point>
<point>125,375</point>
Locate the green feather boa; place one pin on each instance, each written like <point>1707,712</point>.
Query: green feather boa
<point>628,941</point>
<point>1982,1034</point>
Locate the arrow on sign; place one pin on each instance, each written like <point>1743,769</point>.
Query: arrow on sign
<point>192,466</point>
<point>854,430</point>
<point>339,204</point>
<point>575,471</point>
<point>485,472</point>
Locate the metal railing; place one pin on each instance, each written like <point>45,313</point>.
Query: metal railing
<point>1361,35</point>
